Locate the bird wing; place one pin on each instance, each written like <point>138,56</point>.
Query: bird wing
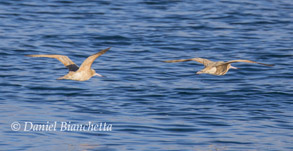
<point>205,62</point>
<point>64,59</point>
<point>86,65</point>
<point>248,61</point>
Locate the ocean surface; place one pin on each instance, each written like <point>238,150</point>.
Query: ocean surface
<point>142,103</point>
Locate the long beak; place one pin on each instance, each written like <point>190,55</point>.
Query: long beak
<point>96,74</point>
<point>233,67</point>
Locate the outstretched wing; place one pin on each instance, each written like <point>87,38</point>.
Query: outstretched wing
<point>205,62</point>
<point>248,61</point>
<point>86,65</point>
<point>64,59</point>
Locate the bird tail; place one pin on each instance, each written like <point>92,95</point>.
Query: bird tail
<point>61,78</point>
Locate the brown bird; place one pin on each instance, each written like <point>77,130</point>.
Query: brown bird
<point>82,73</point>
<point>215,68</point>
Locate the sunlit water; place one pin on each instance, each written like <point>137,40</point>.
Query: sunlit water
<point>151,105</point>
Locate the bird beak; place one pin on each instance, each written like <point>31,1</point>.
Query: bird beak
<point>233,67</point>
<point>96,74</point>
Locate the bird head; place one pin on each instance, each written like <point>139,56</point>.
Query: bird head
<point>96,74</point>
<point>231,67</point>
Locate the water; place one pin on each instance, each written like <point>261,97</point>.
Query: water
<point>151,105</point>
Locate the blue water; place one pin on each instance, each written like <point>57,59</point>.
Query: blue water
<point>150,104</point>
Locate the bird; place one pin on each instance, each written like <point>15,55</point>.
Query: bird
<point>215,68</point>
<point>82,73</point>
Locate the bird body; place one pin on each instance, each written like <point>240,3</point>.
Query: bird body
<point>215,68</point>
<point>82,73</point>
<point>78,75</point>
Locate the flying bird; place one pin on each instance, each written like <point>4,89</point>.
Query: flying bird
<point>82,73</point>
<point>215,68</point>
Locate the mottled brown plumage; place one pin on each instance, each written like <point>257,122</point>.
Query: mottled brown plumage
<point>215,68</point>
<point>82,73</point>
